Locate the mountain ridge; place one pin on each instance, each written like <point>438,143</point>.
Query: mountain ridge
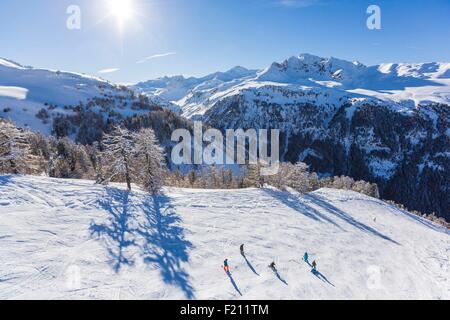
<point>387,124</point>
<point>396,83</point>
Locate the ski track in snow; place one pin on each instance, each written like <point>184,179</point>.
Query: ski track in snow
<point>71,239</point>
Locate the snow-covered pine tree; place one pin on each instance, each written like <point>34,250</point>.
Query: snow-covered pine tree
<point>314,183</point>
<point>150,161</point>
<point>295,176</point>
<point>216,177</point>
<point>280,180</point>
<point>253,176</point>
<point>300,177</point>
<point>15,149</point>
<point>374,191</point>
<point>192,178</point>
<point>343,182</point>
<point>40,148</point>
<point>69,160</point>
<point>95,156</point>
<point>118,150</point>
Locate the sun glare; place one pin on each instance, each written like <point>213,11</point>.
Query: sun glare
<point>122,10</point>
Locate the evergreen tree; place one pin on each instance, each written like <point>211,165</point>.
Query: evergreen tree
<point>253,176</point>
<point>15,149</point>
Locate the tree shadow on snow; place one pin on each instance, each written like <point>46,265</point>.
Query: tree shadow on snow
<point>165,244</point>
<point>5,179</point>
<point>425,222</point>
<point>156,234</point>
<point>116,233</point>
<point>294,203</point>
<point>323,203</point>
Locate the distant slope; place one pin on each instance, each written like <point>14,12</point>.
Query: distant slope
<point>34,98</point>
<point>78,106</point>
<point>40,88</point>
<point>63,239</point>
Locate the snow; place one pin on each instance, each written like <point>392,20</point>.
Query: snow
<point>24,91</point>
<point>71,239</point>
<point>23,113</point>
<point>324,82</point>
<point>382,168</point>
<point>427,163</point>
<point>177,87</point>
<point>311,153</point>
<point>400,85</point>
<point>59,88</point>
<point>13,92</point>
<point>28,90</point>
<point>10,64</point>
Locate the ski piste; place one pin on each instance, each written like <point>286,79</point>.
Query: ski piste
<point>66,229</point>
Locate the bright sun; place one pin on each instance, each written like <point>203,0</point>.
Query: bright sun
<point>121,9</point>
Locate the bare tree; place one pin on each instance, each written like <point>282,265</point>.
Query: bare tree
<point>118,150</point>
<point>150,161</point>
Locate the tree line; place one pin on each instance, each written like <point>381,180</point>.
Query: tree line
<point>136,158</point>
<point>120,156</point>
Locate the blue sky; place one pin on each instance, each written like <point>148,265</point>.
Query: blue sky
<point>196,37</point>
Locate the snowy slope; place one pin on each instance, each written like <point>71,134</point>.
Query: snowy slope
<point>71,239</point>
<point>24,91</point>
<point>402,85</point>
<point>176,87</point>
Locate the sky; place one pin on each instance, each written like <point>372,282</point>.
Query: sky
<point>198,37</point>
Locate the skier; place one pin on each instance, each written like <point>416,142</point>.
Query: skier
<point>314,265</point>
<point>226,267</point>
<point>242,250</point>
<point>306,257</point>
<point>273,266</point>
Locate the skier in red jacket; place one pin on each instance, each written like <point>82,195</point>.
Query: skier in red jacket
<point>226,267</point>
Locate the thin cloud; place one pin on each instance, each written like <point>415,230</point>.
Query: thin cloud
<point>156,56</point>
<point>109,70</point>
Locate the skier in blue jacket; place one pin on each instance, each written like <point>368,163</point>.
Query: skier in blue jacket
<point>306,257</point>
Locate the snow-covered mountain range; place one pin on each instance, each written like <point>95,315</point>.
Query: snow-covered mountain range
<point>388,124</point>
<point>72,239</point>
<point>307,78</point>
